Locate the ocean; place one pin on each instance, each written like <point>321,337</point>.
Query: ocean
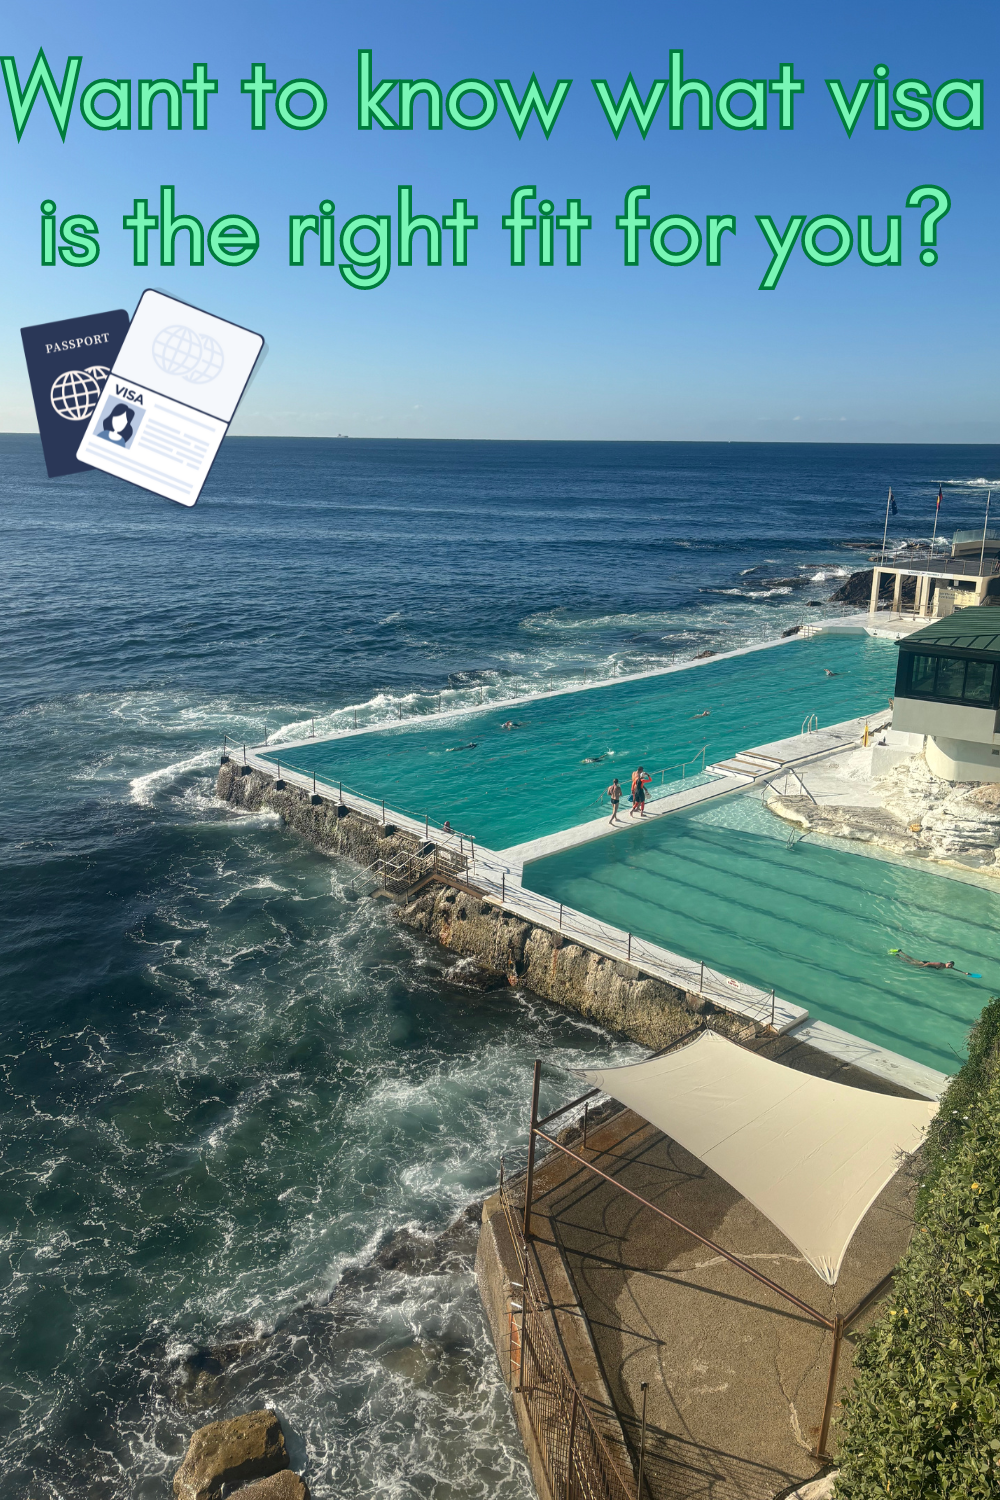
<point>228,1085</point>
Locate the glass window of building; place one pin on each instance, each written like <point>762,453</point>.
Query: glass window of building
<point>978,681</point>
<point>950,677</point>
<point>922,674</point>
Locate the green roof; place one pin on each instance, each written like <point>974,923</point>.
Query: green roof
<point>974,629</point>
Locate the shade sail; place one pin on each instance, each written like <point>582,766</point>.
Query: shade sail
<point>811,1155</point>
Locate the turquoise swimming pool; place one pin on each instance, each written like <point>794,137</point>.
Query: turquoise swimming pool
<point>506,786</point>
<point>731,884</point>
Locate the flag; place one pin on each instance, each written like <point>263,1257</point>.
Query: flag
<point>938,506</point>
<point>892,505</point>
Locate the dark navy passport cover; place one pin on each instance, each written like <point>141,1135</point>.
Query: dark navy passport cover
<point>68,363</point>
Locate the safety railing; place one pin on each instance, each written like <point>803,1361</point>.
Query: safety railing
<point>566,1427</point>
<point>400,873</point>
<point>343,795</point>
<point>692,976</point>
<point>682,767</point>
<point>937,562</point>
<point>790,772</point>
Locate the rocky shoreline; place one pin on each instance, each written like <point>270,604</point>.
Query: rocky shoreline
<point>919,816</point>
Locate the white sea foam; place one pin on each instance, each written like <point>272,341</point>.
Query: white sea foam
<point>749,593</point>
<point>143,787</point>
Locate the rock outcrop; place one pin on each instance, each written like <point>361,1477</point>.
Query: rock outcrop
<point>920,815</point>
<point>606,990</point>
<point>334,830</point>
<point>282,1486</point>
<point>225,1455</point>
<point>858,590</point>
<point>496,946</point>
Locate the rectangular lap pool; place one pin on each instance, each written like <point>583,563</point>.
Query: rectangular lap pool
<point>506,786</point>
<point>731,884</point>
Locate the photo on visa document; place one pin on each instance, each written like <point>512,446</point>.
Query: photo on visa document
<point>170,397</point>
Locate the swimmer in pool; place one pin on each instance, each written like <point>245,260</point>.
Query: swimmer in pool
<point>921,963</point>
<point>703,715</point>
<point>829,673</point>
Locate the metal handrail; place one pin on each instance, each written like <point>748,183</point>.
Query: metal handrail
<point>930,562</point>
<point>579,1464</point>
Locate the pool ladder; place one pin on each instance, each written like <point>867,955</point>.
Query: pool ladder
<point>810,724</point>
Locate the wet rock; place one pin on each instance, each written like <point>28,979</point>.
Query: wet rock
<point>470,975</point>
<point>858,589</point>
<point>921,816</point>
<point>224,1455</point>
<point>282,1486</point>
<point>418,1254</point>
<point>792,630</point>
<point>700,655</point>
<point>412,1362</point>
<point>202,1381</point>
<point>333,829</point>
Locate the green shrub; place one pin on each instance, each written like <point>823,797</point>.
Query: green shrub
<point>923,1418</point>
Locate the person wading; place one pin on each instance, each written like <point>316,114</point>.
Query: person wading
<point>615,793</point>
<point>640,781</point>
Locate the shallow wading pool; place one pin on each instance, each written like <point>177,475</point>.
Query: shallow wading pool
<point>731,884</point>
<point>506,786</point>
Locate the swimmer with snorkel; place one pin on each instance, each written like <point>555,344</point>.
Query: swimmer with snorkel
<point>927,963</point>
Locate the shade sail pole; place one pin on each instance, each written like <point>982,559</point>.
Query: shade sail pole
<point>532,1133</point>
<point>831,1388</point>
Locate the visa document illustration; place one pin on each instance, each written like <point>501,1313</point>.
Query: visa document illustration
<point>170,397</point>
<point>68,365</point>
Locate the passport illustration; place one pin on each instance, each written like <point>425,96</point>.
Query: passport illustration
<point>68,366</point>
<point>173,388</point>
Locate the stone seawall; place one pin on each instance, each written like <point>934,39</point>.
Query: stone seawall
<point>332,829</point>
<point>497,943</point>
<point>501,947</point>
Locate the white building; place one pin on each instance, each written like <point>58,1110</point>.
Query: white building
<point>948,688</point>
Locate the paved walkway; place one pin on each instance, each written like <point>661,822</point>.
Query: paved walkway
<point>736,1376</point>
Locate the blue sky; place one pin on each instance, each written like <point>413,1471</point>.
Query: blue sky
<point>845,352</point>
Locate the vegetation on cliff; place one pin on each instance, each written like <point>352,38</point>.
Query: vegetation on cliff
<point>923,1418</point>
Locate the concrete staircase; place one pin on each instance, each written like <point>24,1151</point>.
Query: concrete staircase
<point>749,764</point>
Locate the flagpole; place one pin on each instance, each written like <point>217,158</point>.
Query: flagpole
<point>885,533</point>
<point>982,550</point>
<point>937,512</point>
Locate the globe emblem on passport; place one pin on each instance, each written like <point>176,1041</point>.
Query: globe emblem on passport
<point>190,356</point>
<point>74,393</point>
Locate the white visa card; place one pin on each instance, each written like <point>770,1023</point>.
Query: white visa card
<point>170,397</point>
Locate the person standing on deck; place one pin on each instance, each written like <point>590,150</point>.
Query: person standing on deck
<point>640,781</point>
<point>615,793</point>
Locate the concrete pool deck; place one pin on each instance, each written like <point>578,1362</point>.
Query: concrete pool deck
<point>736,1376</point>
<point>786,756</point>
